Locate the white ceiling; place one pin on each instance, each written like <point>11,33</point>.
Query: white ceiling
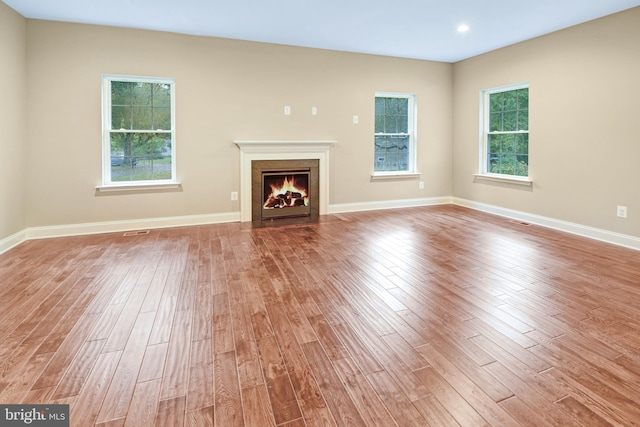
<point>421,29</point>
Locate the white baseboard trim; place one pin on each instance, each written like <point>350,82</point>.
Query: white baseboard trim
<point>181,221</point>
<point>128,225</point>
<point>388,204</point>
<point>12,241</point>
<point>556,224</point>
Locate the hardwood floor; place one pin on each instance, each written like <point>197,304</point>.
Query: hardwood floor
<point>438,316</point>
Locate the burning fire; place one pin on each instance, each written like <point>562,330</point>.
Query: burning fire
<point>286,195</point>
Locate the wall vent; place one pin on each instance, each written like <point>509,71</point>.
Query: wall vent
<point>136,233</point>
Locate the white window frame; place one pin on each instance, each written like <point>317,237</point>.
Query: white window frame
<point>107,183</point>
<point>412,116</point>
<point>485,111</point>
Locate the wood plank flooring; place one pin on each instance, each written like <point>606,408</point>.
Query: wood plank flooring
<point>436,316</point>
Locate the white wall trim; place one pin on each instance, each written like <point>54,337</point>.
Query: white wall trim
<point>12,241</point>
<point>618,239</point>
<point>568,227</point>
<point>388,204</point>
<point>128,225</point>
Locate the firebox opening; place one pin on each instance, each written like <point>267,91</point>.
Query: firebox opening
<point>285,194</point>
<point>285,191</point>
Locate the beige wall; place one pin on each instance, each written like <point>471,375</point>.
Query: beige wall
<point>13,67</point>
<point>226,90</point>
<point>584,112</point>
<point>585,155</point>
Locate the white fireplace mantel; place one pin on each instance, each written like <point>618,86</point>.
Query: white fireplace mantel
<point>282,150</point>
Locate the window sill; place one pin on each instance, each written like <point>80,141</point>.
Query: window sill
<point>138,187</point>
<point>383,176</point>
<point>516,180</point>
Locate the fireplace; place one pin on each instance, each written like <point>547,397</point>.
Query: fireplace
<point>284,189</point>
<point>251,151</point>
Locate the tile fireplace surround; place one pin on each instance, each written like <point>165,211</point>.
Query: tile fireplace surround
<point>282,150</point>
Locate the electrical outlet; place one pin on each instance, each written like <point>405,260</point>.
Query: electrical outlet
<point>287,110</point>
<point>355,120</point>
<point>314,111</point>
<point>622,211</point>
<point>234,195</point>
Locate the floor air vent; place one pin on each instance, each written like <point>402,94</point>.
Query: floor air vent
<point>136,233</point>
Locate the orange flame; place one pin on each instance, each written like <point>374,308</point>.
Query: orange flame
<point>286,195</point>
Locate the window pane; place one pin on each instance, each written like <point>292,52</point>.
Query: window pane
<point>508,154</point>
<point>496,122</point>
<point>391,106</point>
<point>523,119</point>
<point>120,93</point>
<point>508,164</point>
<point>392,161</point>
<point>161,95</point>
<point>121,117</point>
<point>392,115</point>
<point>121,152</point>
<point>494,144</point>
<point>142,94</point>
<point>522,165</point>
<point>522,143</point>
<point>381,162</point>
<point>494,164</point>
<point>142,118</point>
<point>508,144</point>
<point>495,101</point>
<point>403,124</point>
<point>523,99</point>
<point>161,118</point>
<point>392,153</point>
<point>392,144</point>
<point>403,144</point>
<point>403,161</point>
<point>140,156</point>
<point>403,107</point>
<point>390,124</point>
<point>510,121</point>
<point>510,100</point>
<point>140,106</point>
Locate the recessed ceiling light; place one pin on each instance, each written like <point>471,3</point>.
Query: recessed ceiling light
<point>462,28</point>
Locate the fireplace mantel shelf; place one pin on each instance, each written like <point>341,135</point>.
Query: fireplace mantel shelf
<point>283,146</point>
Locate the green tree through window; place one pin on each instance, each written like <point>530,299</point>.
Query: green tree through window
<point>506,131</point>
<point>139,129</point>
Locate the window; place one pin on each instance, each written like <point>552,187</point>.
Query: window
<point>505,131</point>
<point>138,130</point>
<point>395,133</point>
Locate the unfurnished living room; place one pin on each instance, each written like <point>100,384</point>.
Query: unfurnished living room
<point>278,213</point>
